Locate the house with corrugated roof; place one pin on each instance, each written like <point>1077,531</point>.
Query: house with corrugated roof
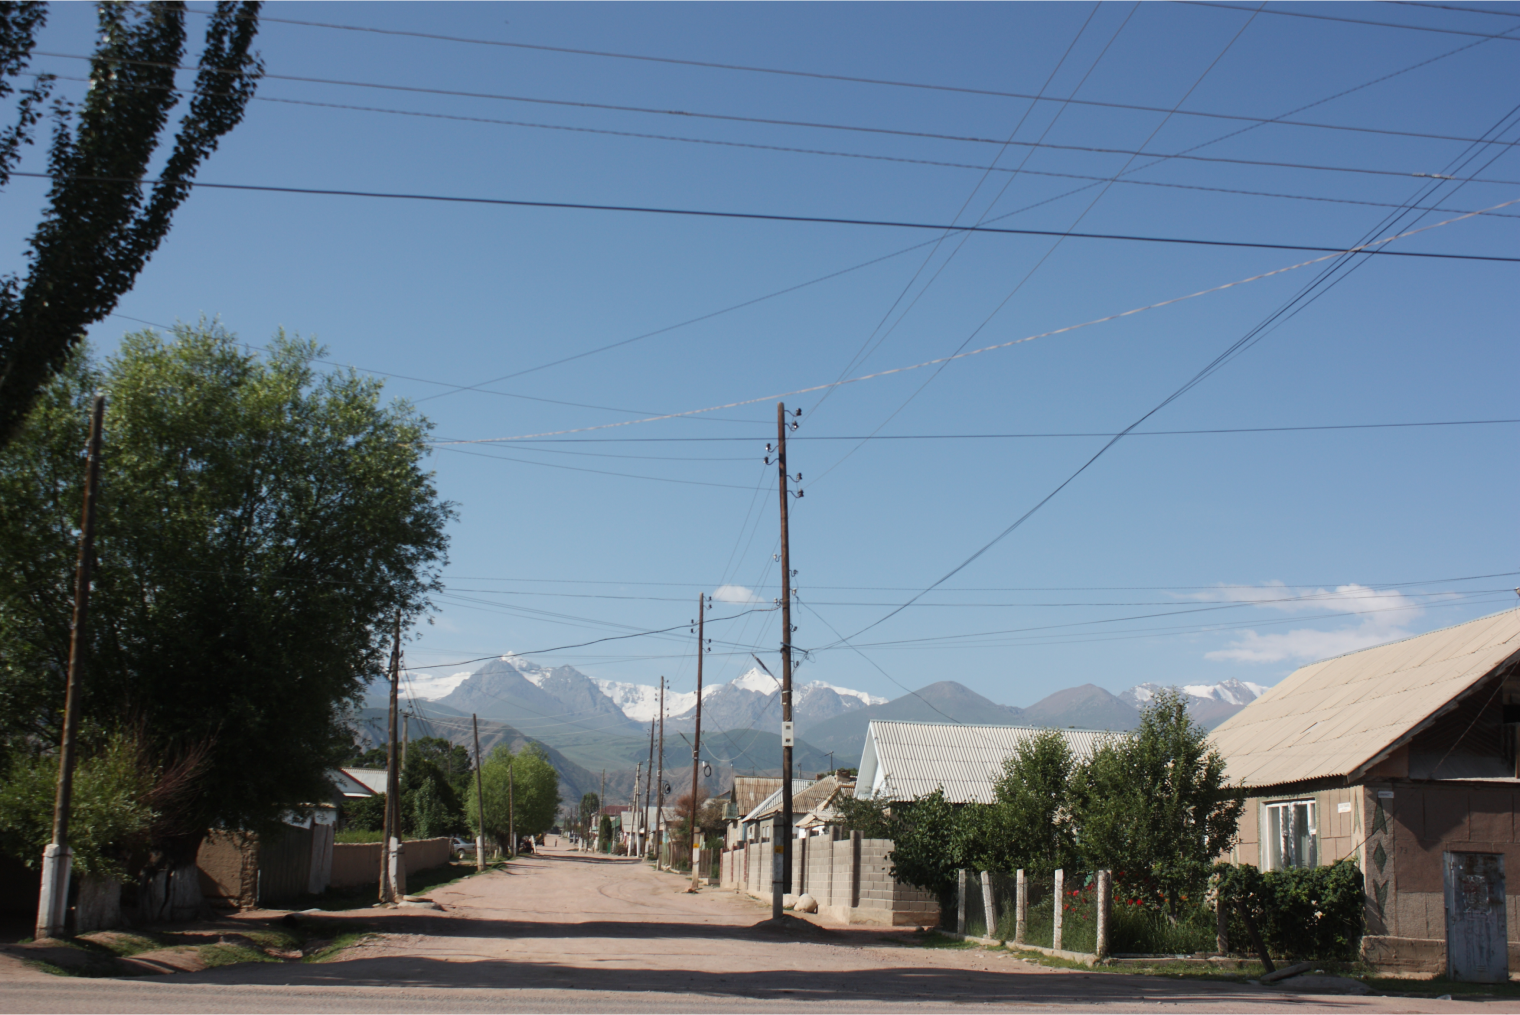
<point>1402,758</point>
<point>906,760</point>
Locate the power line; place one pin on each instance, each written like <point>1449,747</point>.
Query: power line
<point>1007,436</point>
<point>595,641</point>
<point>1352,21</point>
<point>1453,7</point>
<point>715,65</point>
<point>774,122</point>
<point>991,348</point>
<point>767,217</point>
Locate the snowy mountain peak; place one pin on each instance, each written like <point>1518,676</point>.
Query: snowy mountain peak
<point>847,692</point>
<point>1230,692</point>
<point>641,702</point>
<point>755,680</point>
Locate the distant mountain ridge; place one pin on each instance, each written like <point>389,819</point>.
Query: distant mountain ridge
<point>604,722</point>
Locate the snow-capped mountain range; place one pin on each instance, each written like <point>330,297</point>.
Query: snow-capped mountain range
<point>540,697</point>
<point>1231,692</point>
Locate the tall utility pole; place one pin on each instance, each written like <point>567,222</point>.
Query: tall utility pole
<point>57,857</point>
<point>633,807</point>
<point>648,787</point>
<point>659,807</point>
<point>390,856</point>
<point>781,872</point>
<point>512,807</point>
<point>480,802</point>
<point>696,741</point>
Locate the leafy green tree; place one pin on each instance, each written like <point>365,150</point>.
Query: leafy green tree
<point>430,805</point>
<point>365,814</point>
<point>604,833</point>
<point>872,817</point>
<point>451,760</point>
<point>101,223</point>
<point>431,814</point>
<point>1029,824</point>
<point>534,791</point>
<point>260,526</point>
<point>927,843</point>
<point>111,814</point>
<point>1155,804</point>
<point>375,757</point>
<point>590,804</point>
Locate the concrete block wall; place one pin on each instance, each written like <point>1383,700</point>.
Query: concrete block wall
<point>850,877</point>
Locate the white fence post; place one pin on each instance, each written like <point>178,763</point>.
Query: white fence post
<point>1020,908</point>
<point>988,908</point>
<point>1105,910</point>
<point>1059,903</point>
<point>960,901</point>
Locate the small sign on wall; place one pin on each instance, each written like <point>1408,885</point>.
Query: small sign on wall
<point>1343,808</point>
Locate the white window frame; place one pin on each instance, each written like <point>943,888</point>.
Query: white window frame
<point>1273,840</point>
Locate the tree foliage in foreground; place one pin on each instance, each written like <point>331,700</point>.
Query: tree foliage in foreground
<point>259,527</point>
<point>100,224</point>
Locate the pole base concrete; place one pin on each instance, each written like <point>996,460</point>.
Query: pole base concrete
<point>53,906</point>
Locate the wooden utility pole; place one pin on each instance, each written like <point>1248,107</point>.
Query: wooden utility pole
<point>781,872</point>
<point>648,787</point>
<point>480,801</point>
<point>633,808</point>
<point>390,858</point>
<point>57,857</point>
<point>659,807</point>
<point>696,742</point>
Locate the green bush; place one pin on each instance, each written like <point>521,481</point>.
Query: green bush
<point>1301,912</point>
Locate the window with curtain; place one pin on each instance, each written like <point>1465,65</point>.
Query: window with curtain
<point>1291,835</point>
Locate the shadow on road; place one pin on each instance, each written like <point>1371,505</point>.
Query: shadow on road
<point>908,982</point>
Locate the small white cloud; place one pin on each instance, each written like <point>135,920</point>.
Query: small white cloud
<point>1384,617</point>
<point>734,594</point>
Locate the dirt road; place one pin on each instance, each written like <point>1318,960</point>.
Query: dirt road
<point>572,932</point>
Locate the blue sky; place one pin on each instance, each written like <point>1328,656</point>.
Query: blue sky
<point>1286,546</point>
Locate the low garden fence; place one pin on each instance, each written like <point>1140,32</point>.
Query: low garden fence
<point>1314,913</point>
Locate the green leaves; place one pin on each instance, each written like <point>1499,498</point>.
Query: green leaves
<point>1300,911</point>
<point>534,791</point>
<point>111,810</point>
<point>259,526</point>
<point>1155,803</point>
<point>100,227</point>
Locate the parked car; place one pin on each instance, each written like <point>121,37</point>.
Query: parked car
<point>463,846</point>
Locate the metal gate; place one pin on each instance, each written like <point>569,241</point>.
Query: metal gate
<point>1476,930</point>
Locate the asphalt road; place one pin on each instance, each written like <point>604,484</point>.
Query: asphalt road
<point>575,933</point>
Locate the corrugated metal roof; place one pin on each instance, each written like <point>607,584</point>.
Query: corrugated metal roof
<point>1332,718</point>
<point>749,790</point>
<point>773,801</point>
<point>904,760</point>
